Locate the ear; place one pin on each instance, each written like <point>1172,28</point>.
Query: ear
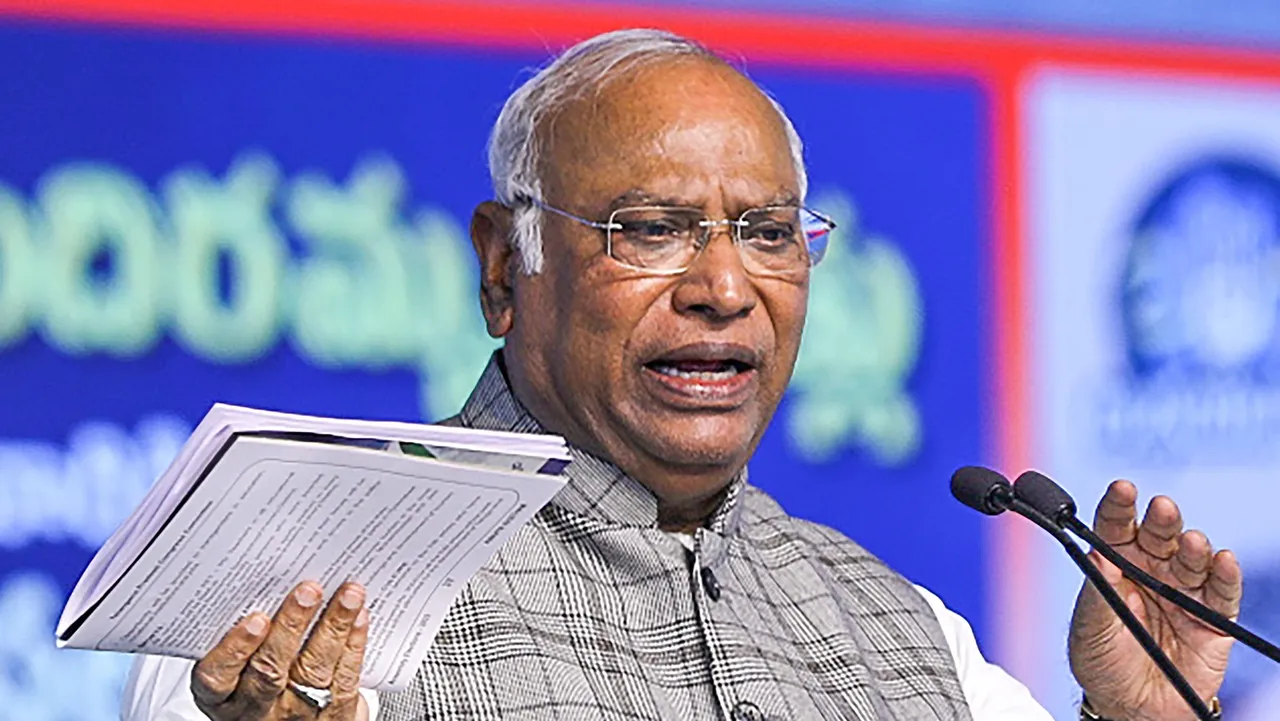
<point>491,236</point>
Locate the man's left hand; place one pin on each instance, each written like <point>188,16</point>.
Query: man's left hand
<point>1118,678</point>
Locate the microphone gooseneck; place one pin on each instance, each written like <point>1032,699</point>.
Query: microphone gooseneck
<point>1044,494</point>
<point>1054,527</point>
<point>1109,594</point>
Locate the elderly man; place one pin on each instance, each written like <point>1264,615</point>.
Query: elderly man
<point>647,266</point>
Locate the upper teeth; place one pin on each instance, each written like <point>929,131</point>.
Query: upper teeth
<point>668,370</point>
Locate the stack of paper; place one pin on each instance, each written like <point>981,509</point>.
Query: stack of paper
<point>258,501</point>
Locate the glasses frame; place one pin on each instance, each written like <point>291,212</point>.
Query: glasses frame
<point>707,224</point>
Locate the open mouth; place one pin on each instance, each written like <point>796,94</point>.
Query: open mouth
<point>704,374</point>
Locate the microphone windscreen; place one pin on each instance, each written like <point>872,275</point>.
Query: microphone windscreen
<point>981,489</point>
<point>1041,493</point>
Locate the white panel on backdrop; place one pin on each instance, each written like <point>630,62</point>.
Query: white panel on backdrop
<point>1153,212</point>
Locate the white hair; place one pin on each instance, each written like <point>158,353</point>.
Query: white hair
<point>514,152</point>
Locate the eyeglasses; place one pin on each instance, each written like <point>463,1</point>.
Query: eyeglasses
<point>778,241</point>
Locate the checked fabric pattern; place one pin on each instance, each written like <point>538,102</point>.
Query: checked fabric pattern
<point>591,612</point>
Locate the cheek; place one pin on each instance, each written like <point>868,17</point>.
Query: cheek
<point>607,315</point>
<point>787,308</point>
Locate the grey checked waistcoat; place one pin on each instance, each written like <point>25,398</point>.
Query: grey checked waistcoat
<point>591,612</point>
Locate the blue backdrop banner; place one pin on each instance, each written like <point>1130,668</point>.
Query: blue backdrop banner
<point>190,218</point>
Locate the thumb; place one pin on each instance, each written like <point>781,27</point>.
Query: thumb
<point>1110,571</point>
<point>1093,617</point>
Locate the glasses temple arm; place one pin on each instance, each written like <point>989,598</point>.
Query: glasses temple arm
<point>566,214</point>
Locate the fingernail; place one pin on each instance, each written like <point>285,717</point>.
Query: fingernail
<point>255,625</point>
<point>363,619</point>
<point>307,596</point>
<point>351,598</point>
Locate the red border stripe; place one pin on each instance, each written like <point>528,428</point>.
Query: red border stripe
<point>1012,583</point>
<point>758,35</point>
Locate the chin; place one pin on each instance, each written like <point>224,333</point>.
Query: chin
<point>700,444</point>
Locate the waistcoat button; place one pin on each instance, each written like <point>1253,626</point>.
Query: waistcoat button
<point>710,584</point>
<point>747,711</point>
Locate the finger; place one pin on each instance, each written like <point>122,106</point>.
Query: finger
<point>267,672</point>
<point>1116,518</point>
<point>1225,585</point>
<point>346,676</point>
<point>314,666</point>
<point>215,677</point>
<point>1161,527</point>
<point>1192,560</point>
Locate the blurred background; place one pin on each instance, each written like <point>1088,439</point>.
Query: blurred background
<point>1059,247</point>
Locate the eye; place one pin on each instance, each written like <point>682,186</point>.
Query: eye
<point>770,234</point>
<point>652,230</point>
<point>655,226</point>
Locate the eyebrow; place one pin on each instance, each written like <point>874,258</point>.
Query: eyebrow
<point>637,196</point>
<point>784,198</point>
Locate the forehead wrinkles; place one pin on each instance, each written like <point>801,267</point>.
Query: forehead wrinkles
<point>684,115</point>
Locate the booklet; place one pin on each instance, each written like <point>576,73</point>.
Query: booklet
<point>258,501</point>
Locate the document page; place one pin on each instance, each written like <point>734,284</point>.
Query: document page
<point>496,450</point>
<point>272,513</point>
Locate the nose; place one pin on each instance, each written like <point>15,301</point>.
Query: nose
<point>717,286</point>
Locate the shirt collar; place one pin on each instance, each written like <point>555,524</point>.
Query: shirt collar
<point>596,488</point>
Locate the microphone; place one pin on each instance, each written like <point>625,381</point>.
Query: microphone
<point>1049,498</point>
<point>982,489</point>
<point>972,486</point>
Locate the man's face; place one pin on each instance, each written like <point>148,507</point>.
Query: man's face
<point>673,378</point>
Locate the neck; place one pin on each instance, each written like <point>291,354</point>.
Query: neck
<point>689,516</point>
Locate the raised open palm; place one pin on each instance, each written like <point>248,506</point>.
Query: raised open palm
<point>1118,678</point>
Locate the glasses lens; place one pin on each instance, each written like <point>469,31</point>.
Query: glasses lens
<point>656,238</point>
<point>817,233</point>
<point>774,239</point>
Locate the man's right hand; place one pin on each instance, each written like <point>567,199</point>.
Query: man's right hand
<point>246,676</point>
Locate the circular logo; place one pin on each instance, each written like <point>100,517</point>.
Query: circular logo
<point>1201,289</point>
<point>1200,304</point>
